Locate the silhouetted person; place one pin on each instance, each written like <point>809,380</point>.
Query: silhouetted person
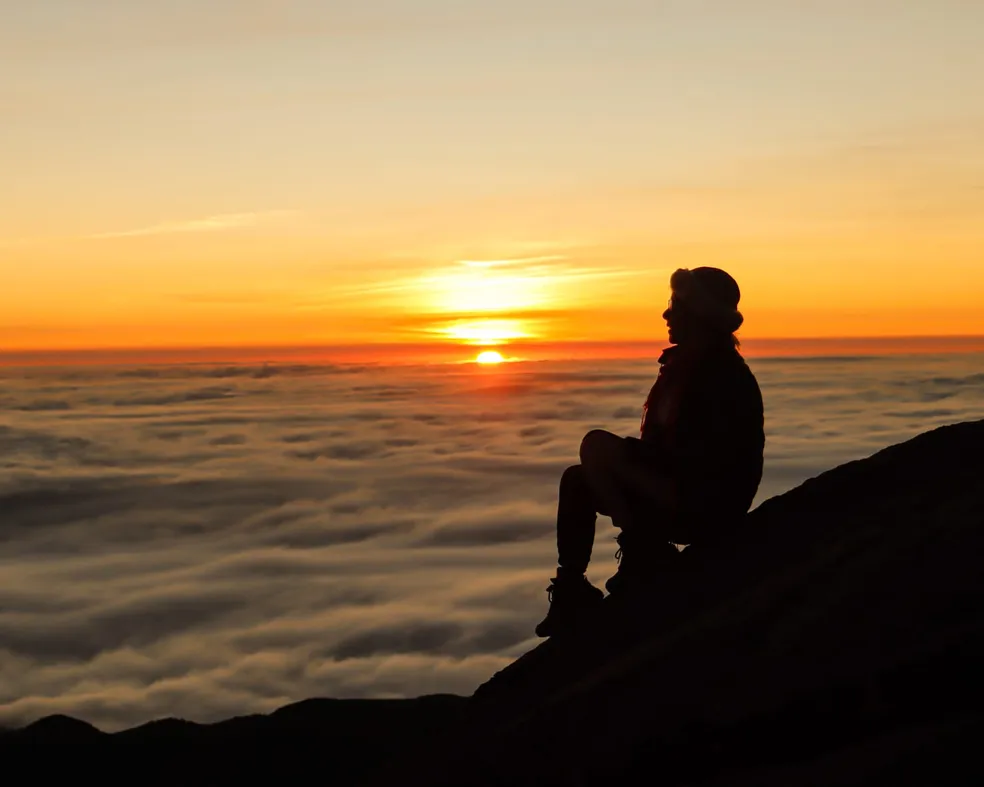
<point>693,474</point>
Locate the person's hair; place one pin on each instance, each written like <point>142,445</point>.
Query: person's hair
<point>712,295</point>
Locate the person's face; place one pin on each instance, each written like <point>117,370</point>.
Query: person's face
<point>677,321</point>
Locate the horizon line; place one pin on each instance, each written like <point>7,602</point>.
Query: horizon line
<point>437,352</point>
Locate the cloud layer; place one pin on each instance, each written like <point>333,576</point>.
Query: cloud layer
<point>205,541</point>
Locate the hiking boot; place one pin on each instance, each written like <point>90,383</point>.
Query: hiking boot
<point>570,600</point>
<point>641,560</point>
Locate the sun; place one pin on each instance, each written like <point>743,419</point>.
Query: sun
<point>489,356</point>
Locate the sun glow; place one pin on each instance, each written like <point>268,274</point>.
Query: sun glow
<point>489,287</point>
<point>489,356</point>
<point>485,331</point>
<point>487,302</point>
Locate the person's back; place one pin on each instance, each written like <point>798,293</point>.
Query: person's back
<point>712,448</point>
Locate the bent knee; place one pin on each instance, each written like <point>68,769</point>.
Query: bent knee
<point>597,446</point>
<point>573,476</point>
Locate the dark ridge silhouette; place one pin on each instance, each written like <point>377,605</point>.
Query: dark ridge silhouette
<point>339,740</point>
<point>838,640</point>
<point>55,729</point>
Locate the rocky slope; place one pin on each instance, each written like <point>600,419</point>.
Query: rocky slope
<point>838,640</point>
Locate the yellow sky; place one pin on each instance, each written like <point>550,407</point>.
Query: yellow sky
<point>215,173</point>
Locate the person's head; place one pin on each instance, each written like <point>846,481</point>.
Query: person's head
<point>703,306</point>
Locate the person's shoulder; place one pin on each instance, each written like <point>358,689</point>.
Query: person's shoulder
<point>743,366</point>
<point>728,362</point>
<point>743,371</point>
<point>736,361</point>
<point>729,375</point>
<point>747,387</point>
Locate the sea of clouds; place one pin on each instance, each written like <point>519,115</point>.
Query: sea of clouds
<point>205,541</point>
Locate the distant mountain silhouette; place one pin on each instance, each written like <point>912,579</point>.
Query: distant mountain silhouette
<point>338,740</point>
<point>837,640</point>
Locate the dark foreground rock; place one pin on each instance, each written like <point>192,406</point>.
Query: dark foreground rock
<point>838,640</point>
<point>339,740</point>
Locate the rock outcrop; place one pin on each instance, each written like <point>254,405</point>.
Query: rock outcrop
<point>836,640</point>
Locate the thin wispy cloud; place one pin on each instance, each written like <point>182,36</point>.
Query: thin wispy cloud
<point>511,262</point>
<point>533,269</point>
<point>217,223</point>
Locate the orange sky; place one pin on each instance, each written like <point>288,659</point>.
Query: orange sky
<point>212,174</point>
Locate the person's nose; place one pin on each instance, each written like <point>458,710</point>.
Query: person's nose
<point>666,315</point>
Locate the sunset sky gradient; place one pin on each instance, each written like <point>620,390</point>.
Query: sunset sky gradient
<point>289,172</point>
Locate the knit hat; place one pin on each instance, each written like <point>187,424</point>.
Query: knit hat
<point>710,293</point>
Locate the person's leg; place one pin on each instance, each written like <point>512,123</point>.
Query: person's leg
<point>602,484</point>
<point>620,475</point>
<point>571,594</point>
<point>604,459</point>
<point>577,512</point>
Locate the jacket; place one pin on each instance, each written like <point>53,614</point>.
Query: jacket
<point>709,438</point>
